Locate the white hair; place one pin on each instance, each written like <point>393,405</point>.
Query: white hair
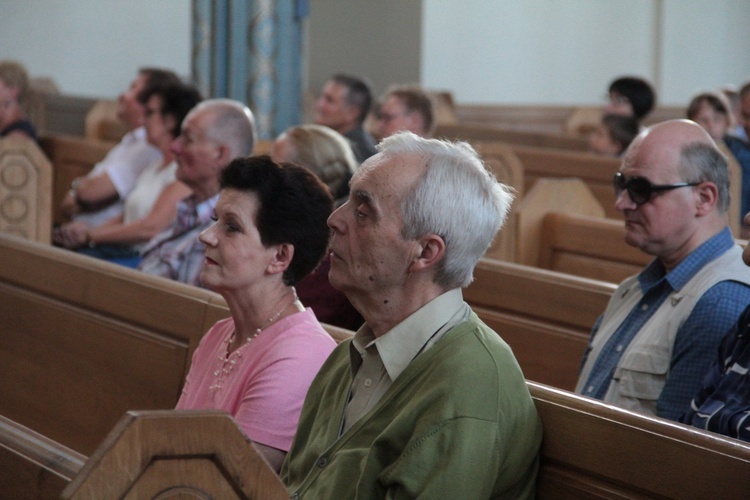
<point>457,199</point>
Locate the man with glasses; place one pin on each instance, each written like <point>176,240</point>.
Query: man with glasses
<point>650,349</point>
<point>405,108</point>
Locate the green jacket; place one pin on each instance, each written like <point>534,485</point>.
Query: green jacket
<point>458,423</point>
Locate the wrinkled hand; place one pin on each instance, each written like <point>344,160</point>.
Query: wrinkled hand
<point>72,235</point>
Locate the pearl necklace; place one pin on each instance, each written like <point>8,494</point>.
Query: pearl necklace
<point>228,360</point>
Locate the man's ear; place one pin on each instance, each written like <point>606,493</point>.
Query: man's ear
<point>429,250</point>
<point>282,258</point>
<point>707,199</point>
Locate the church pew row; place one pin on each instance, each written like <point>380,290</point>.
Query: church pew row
<point>93,340</point>
<point>496,308</point>
<point>589,450</point>
<point>553,119</point>
<point>493,133</point>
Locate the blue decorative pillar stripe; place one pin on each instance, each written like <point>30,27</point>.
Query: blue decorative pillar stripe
<point>251,51</point>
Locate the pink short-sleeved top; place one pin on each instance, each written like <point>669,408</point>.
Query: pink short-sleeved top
<point>265,387</point>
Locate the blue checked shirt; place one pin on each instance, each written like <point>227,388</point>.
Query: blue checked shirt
<point>697,339</point>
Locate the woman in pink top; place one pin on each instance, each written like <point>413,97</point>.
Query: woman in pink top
<point>270,231</point>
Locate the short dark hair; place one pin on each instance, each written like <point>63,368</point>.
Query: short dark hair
<point>416,99</point>
<point>177,100</point>
<point>157,76</point>
<point>638,91</point>
<point>622,129</point>
<point>358,93</point>
<point>294,207</point>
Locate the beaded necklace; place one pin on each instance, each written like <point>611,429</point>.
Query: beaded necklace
<point>228,360</point>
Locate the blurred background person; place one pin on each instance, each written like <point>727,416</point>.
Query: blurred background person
<point>343,105</point>
<point>14,94</point>
<point>630,96</point>
<point>99,196</point>
<point>712,111</point>
<point>152,205</point>
<point>269,232</point>
<point>405,108</point>
<point>613,135</point>
<point>328,155</point>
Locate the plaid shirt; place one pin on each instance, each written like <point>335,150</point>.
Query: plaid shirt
<point>176,253</point>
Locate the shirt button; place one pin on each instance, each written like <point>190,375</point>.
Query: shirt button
<point>368,382</point>
<point>618,348</point>
<point>590,388</point>
<point>294,496</point>
<point>322,462</point>
<point>644,307</point>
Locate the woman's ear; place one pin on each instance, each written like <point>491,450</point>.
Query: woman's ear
<point>282,258</point>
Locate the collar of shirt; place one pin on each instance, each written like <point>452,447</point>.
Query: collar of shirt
<point>685,270</point>
<point>138,134</point>
<point>400,345</point>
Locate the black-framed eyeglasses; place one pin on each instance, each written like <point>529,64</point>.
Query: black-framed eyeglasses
<point>640,189</point>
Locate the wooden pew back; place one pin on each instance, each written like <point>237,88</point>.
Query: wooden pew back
<point>25,190</point>
<point>596,171</point>
<point>491,133</point>
<point>589,450</point>
<point>594,450</point>
<point>71,157</point>
<point>592,247</point>
<point>544,316</point>
<point>32,465</point>
<point>92,340</point>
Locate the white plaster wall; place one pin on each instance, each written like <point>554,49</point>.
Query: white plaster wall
<point>94,48</point>
<point>566,51</point>
<point>485,51</point>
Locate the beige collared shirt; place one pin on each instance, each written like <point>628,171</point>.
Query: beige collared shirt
<point>377,362</point>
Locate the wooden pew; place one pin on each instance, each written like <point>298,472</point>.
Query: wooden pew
<point>93,340</point>
<point>548,195</point>
<point>592,247</point>
<point>544,118</point>
<point>596,171</point>
<point>201,454</point>
<point>594,450</point>
<point>71,157</point>
<point>490,133</point>
<point>103,124</point>
<point>25,190</point>
<point>32,465</point>
<point>589,450</point>
<point>543,315</point>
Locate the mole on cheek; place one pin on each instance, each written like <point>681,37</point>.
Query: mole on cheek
<point>371,278</point>
<point>385,301</point>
